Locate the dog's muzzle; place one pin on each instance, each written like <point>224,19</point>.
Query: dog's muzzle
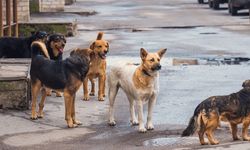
<point>156,68</point>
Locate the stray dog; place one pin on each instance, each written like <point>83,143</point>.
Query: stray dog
<point>97,68</point>
<point>12,47</point>
<point>233,108</point>
<point>63,75</point>
<point>55,45</point>
<point>140,84</point>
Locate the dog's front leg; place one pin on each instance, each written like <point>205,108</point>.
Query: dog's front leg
<point>73,113</point>
<point>245,126</point>
<point>142,128</point>
<point>68,109</point>
<point>151,104</point>
<point>85,89</point>
<point>101,87</point>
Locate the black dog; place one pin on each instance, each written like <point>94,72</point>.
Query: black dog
<point>12,47</point>
<point>64,75</point>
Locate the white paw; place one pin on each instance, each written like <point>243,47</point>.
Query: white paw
<point>142,130</point>
<point>134,122</point>
<point>112,123</point>
<point>150,126</point>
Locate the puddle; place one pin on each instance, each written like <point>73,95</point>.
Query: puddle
<point>170,141</point>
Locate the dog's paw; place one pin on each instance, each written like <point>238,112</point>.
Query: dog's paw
<point>92,94</point>
<point>214,142</point>
<point>100,99</point>
<point>77,122</point>
<point>58,95</point>
<point>40,115</point>
<point>72,125</point>
<point>150,127</point>
<point>48,93</point>
<point>33,117</point>
<point>204,143</point>
<point>85,98</point>
<point>246,138</point>
<point>134,122</point>
<point>112,123</point>
<point>142,130</point>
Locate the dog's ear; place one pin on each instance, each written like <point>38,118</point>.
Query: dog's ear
<point>246,84</point>
<point>108,45</point>
<point>143,54</point>
<point>92,46</point>
<point>161,52</point>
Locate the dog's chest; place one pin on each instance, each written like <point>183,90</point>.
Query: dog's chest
<point>97,68</point>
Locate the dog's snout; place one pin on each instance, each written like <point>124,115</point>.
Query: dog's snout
<point>106,51</point>
<point>158,67</point>
<point>63,44</point>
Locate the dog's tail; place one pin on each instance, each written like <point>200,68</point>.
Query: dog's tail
<point>193,123</point>
<point>38,48</point>
<point>99,36</point>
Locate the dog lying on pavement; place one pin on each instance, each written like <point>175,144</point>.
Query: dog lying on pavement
<point>140,85</point>
<point>233,108</point>
<point>66,75</point>
<point>97,68</point>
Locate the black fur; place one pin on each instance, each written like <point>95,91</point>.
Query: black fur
<point>12,47</point>
<point>238,104</point>
<point>56,74</point>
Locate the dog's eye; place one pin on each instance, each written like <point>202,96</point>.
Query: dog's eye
<point>100,46</point>
<point>152,60</point>
<point>158,59</point>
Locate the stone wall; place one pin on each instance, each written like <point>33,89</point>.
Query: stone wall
<point>51,5</point>
<point>22,10</point>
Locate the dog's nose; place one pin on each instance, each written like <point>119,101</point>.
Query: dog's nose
<point>63,44</point>
<point>158,67</point>
<point>106,51</point>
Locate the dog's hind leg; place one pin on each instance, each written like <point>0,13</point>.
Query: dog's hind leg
<point>151,104</point>
<point>113,89</point>
<point>245,126</point>
<point>133,118</point>
<point>233,128</point>
<point>202,130</point>
<point>36,86</point>
<point>41,104</point>
<point>92,92</point>
<point>211,125</point>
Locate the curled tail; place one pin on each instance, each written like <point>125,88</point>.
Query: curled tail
<point>99,36</point>
<point>38,48</point>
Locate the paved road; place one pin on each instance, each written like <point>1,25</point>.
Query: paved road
<point>188,30</point>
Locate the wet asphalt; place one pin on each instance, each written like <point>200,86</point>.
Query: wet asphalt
<point>188,30</point>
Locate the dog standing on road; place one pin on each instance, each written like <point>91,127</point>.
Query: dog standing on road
<point>140,84</point>
<point>97,68</point>
<point>233,108</point>
<point>64,75</point>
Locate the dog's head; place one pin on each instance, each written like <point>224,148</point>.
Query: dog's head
<point>83,53</point>
<point>100,46</point>
<point>246,84</point>
<point>57,43</point>
<point>151,61</point>
<point>39,36</point>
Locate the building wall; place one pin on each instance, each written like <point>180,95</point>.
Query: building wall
<point>22,10</point>
<point>51,5</point>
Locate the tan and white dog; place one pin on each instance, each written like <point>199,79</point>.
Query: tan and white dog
<point>140,84</point>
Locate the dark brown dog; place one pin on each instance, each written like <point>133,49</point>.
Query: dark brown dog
<point>233,108</point>
<point>64,75</point>
<point>97,68</point>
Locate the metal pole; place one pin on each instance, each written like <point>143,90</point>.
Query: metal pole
<point>1,18</point>
<point>8,17</point>
<point>15,19</point>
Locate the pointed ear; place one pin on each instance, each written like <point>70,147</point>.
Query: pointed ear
<point>92,46</point>
<point>161,52</point>
<point>143,53</point>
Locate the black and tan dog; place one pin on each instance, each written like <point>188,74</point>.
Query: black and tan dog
<point>233,108</point>
<point>55,45</point>
<point>13,47</point>
<point>63,75</point>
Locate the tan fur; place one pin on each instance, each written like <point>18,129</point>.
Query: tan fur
<point>69,93</point>
<point>97,68</point>
<point>43,48</point>
<point>140,85</point>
